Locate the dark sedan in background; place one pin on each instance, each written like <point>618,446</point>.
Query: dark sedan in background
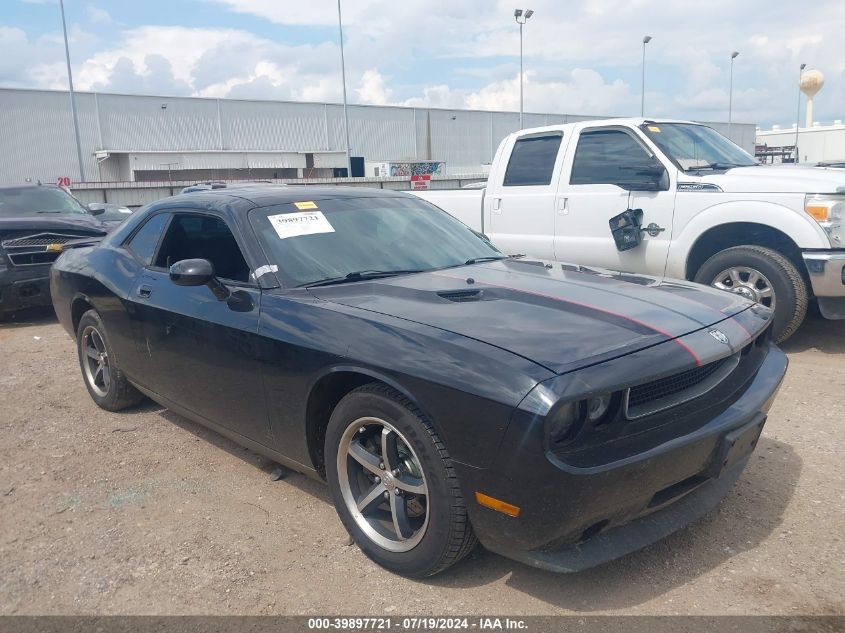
<point>562,416</point>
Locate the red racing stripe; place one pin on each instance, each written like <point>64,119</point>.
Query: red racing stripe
<point>591,307</point>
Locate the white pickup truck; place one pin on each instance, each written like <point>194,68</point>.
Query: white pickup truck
<point>668,199</point>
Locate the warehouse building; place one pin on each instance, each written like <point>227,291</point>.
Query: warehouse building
<point>134,138</point>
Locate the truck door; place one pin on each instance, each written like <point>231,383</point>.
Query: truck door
<point>611,170</point>
<point>522,198</point>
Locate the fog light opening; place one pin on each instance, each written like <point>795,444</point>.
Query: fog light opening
<point>594,529</point>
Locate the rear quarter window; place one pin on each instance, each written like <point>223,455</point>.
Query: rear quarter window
<point>532,161</point>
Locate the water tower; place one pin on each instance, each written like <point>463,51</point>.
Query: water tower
<point>811,82</point>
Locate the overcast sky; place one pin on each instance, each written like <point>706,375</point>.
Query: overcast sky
<point>580,57</point>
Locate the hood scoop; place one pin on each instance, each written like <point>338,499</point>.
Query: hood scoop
<point>461,296</point>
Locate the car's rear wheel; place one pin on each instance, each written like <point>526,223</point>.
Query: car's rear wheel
<point>764,276</point>
<point>107,385</point>
<point>394,485</point>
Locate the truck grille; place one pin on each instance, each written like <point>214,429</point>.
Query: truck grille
<point>31,250</point>
<point>664,393</point>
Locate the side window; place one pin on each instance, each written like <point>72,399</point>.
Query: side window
<point>194,236</point>
<point>145,240</point>
<point>611,157</point>
<point>532,161</point>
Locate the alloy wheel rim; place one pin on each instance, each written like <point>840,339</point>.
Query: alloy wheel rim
<point>96,361</point>
<point>383,484</point>
<point>747,282</point>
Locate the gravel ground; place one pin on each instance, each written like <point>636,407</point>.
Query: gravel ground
<point>144,512</point>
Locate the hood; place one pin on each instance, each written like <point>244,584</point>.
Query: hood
<point>778,179</point>
<point>59,222</point>
<point>561,317</point>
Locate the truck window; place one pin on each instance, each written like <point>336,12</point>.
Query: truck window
<point>532,161</point>
<point>610,157</point>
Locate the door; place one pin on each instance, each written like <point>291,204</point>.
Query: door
<point>522,200</point>
<point>202,341</point>
<point>611,170</point>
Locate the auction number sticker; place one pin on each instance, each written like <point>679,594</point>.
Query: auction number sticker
<point>303,223</point>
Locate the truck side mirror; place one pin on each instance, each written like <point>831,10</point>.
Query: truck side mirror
<point>625,229</point>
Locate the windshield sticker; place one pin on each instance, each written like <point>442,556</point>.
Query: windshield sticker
<point>653,128</point>
<point>267,268</point>
<point>305,205</point>
<point>296,224</point>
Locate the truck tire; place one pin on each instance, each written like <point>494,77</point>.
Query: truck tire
<point>765,276</point>
<point>394,485</point>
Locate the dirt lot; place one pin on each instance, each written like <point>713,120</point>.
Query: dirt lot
<point>145,512</point>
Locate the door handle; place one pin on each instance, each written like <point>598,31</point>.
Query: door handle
<point>497,205</point>
<point>144,292</point>
<point>563,206</point>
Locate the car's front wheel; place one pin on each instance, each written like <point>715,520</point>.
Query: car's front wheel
<point>107,385</point>
<point>394,485</point>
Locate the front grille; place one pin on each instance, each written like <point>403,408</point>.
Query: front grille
<point>33,259</point>
<point>31,250</point>
<point>661,394</point>
<point>42,239</point>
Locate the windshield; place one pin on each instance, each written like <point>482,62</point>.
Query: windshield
<point>695,147</point>
<point>26,201</point>
<point>313,242</point>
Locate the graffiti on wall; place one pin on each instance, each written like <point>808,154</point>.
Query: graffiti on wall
<point>417,168</point>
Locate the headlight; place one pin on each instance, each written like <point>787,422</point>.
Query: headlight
<point>829,211</point>
<point>565,422</point>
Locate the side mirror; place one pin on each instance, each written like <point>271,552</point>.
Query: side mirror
<point>651,178</point>
<point>198,272</point>
<point>625,229</point>
<point>192,272</point>
<point>96,208</point>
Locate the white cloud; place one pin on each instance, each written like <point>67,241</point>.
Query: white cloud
<point>579,58</point>
<point>98,15</point>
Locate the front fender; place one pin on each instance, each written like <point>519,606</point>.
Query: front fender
<point>801,228</point>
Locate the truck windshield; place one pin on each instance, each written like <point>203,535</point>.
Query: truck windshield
<point>354,239</point>
<point>697,147</point>
<point>27,201</point>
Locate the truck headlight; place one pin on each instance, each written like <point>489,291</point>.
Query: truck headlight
<point>828,209</point>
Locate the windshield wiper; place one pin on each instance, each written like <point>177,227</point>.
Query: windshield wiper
<point>487,258</point>
<point>359,275</point>
<point>719,166</point>
<point>48,211</point>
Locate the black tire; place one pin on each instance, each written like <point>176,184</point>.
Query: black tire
<point>790,289</point>
<point>448,535</point>
<point>115,392</point>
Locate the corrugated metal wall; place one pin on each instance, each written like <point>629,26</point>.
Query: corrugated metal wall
<point>37,140</point>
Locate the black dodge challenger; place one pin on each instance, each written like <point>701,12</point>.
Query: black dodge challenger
<point>448,393</point>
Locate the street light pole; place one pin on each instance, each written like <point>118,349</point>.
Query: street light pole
<point>521,18</point>
<point>72,97</point>
<point>731,92</point>
<point>798,115</point>
<point>646,40</point>
<point>343,76</point>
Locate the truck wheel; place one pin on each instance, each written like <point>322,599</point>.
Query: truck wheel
<point>393,484</point>
<point>106,384</point>
<point>762,275</point>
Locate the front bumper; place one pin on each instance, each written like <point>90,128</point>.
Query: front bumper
<point>572,518</point>
<point>827,276</point>
<point>24,287</point>
<point>827,272</point>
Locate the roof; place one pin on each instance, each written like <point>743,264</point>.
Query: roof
<point>264,195</point>
<point>635,121</point>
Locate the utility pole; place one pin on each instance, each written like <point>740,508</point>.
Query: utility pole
<point>72,97</point>
<point>343,75</point>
